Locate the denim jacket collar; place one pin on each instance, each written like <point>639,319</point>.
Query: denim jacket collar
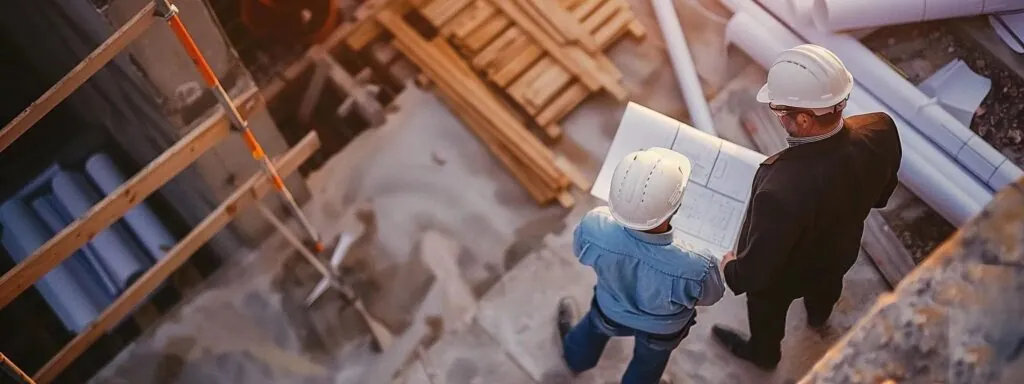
<point>652,238</point>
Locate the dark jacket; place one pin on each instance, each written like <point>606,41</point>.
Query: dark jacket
<point>807,208</point>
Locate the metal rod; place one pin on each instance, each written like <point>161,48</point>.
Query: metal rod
<point>169,12</point>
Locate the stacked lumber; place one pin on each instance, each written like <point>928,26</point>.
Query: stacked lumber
<point>505,67</point>
<point>546,54</point>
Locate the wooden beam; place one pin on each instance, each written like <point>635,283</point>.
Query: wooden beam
<point>885,249</point>
<point>367,29</point>
<point>536,14</point>
<point>580,65</point>
<point>249,193</point>
<point>120,201</point>
<point>77,76</point>
<point>366,104</point>
<point>565,23</point>
<point>312,96</point>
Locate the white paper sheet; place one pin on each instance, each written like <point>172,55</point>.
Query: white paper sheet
<point>719,188</point>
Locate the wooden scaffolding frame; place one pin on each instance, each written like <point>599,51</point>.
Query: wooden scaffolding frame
<point>204,136</point>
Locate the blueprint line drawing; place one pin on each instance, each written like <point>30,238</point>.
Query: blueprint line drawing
<point>718,190</point>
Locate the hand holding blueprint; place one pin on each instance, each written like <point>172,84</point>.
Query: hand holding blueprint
<point>719,188</point>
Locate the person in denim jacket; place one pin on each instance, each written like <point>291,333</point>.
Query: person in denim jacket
<point>648,283</point>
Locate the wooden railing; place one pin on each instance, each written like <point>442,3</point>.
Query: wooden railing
<point>155,174</point>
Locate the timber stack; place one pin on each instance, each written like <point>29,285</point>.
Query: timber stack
<point>507,68</point>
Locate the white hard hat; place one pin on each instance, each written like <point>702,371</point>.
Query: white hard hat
<point>647,187</point>
<point>807,76</point>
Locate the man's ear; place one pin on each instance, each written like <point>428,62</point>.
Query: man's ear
<point>803,120</point>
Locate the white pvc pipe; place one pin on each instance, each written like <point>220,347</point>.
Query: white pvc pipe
<point>119,255</point>
<point>844,15</point>
<point>142,222</point>
<point>73,297</point>
<point>952,192</point>
<point>934,122</point>
<point>682,62</point>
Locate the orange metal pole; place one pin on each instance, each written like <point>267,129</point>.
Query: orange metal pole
<point>169,12</point>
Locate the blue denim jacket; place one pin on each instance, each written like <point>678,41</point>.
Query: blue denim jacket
<point>647,282</point>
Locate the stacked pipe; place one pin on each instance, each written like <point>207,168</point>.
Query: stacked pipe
<point>926,171</point>
<point>844,15</point>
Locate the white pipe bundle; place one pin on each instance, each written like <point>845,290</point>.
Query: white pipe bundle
<point>934,122</point>
<point>46,208</point>
<point>682,62</point>
<point>952,192</point>
<point>73,297</point>
<point>141,220</point>
<point>844,15</point>
<point>121,258</point>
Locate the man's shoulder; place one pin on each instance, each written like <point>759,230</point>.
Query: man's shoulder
<point>872,126</point>
<point>598,221</point>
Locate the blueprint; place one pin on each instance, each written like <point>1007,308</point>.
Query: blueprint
<point>719,187</point>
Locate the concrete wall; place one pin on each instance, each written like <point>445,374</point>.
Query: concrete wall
<point>185,99</point>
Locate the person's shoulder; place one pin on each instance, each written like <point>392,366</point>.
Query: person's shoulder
<point>598,220</point>
<point>873,125</point>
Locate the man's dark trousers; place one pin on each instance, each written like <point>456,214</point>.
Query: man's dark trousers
<point>586,341</point>
<point>766,314</point>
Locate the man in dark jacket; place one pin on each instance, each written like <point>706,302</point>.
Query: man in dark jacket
<point>808,203</point>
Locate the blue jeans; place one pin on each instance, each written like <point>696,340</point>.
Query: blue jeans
<point>586,341</point>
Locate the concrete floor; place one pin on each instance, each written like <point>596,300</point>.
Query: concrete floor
<point>424,171</point>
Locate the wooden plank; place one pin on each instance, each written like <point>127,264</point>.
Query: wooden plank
<point>545,87</point>
<point>366,104</point>
<point>479,38</point>
<point>563,104</point>
<point>885,249</point>
<point>77,76</point>
<point>517,60</point>
<point>500,45</point>
<point>581,182</point>
<point>250,192</point>
<point>366,29</point>
<point>439,12</point>
<point>471,18</point>
<point>534,13</point>
<point>594,21</point>
<point>519,88</point>
<point>585,70</point>
<point>171,162</point>
<point>615,27</point>
<point>312,96</point>
<point>565,23</point>
<point>553,133</point>
<point>585,8</point>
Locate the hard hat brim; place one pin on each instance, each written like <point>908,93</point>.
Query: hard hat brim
<point>764,95</point>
